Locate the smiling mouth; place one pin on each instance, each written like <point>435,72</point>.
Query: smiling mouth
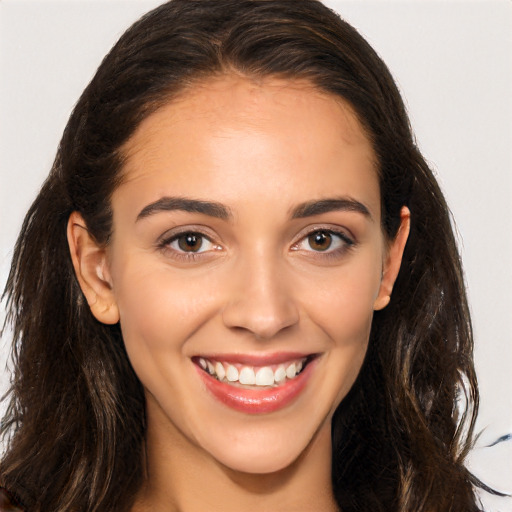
<point>243,375</point>
<point>256,384</point>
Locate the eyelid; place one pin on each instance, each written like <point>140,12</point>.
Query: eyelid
<point>176,238</point>
<point>340,231</point>
<point>165,240</point>
<point>342,246</point>
<point>181,230</point>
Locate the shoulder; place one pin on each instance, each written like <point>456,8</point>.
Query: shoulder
<point>7,503</point>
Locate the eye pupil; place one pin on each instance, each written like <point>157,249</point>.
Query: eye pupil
<point>190,242</point>
<point>320,240</point>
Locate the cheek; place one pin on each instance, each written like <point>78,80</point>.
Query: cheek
<point>345,315</point>
<point>342,304</point>
<point>159,308</point>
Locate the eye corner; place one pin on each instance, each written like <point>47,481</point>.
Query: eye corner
<point>200,245</point>
<point>339,242</point>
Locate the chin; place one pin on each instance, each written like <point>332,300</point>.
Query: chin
<point>264,449</point>
<point>261,463</point>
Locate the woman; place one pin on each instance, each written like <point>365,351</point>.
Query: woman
<point>239,277</point>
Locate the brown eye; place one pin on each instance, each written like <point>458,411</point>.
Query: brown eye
<point>320,240</point>
<point>190,242</point>
<point>330,243</point>
<point>189,246</point>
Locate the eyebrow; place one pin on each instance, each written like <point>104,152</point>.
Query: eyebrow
<point>311,208</point>
<point>166,204</point>
<point>218,210</point>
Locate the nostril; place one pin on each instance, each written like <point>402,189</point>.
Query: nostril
<point>259,325</point>
<point>263,319</point>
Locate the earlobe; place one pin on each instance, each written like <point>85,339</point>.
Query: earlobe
<point>91,269</point>
<point>393,260</point>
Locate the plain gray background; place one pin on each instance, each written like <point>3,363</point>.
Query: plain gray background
<point>452,60</point>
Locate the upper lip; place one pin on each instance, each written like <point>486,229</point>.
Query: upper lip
<point>256,359</point>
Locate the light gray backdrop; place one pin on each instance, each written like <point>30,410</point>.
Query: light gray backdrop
<point>452,60</point>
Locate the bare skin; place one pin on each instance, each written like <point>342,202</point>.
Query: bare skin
<point>289,263</point>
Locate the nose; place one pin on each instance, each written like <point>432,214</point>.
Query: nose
<point>261,301</point>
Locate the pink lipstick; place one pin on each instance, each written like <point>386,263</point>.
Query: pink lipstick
<point>255,384</point>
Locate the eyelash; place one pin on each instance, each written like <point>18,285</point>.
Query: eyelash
<point>178,253</point>
<point>344,242</point>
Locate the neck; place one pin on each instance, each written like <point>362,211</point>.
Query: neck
<point>181,477</point>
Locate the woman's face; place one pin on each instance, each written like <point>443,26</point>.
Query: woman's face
<point>246,262</point>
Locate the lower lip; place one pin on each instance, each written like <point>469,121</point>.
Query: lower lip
<point>257,401</point>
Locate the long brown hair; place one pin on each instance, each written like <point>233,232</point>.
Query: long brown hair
<point>75,422</point>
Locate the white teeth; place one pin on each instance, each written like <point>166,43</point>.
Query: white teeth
<point>280,374</point>
<point>265,376</point>
<point>231,373</point>
<point>247,376</point>
<point>219,370</point>
<point>291,371</point>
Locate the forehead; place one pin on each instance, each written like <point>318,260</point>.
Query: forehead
<point>271,132</point>
<point>244,103</point>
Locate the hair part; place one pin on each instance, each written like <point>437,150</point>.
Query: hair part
<point>76,419</point>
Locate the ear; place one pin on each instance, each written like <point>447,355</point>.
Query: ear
<point>91,269</point>
<point>393,260</point>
